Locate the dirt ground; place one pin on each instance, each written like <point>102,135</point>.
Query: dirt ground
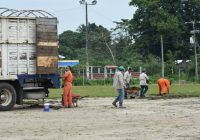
<point>96,119</point>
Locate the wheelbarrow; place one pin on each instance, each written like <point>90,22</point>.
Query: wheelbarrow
<point>75,98</point>
<point>132,92</point>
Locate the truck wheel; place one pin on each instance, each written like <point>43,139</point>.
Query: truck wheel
<point>7,96</point>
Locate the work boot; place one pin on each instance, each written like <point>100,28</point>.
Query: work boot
<point>114,103</point>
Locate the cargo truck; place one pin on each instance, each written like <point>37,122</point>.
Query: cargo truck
<point>28,56</point>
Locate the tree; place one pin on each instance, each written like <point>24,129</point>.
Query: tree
<point>156,17</point>
<point>72,45</point>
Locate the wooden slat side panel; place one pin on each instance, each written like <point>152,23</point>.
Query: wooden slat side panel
<point>47,64</point>
<point>1,31</point>
<point>48,37</point>
<point>19,59</point>
<point>12,26</point>
<point>23,30</point>
<point>47,28</point>
<point>31,31</point>
<point>46,21</point>
<point>47,61</point>
<point>47,51</point>
<point>0,59</point>
<point>46,70</point>
<point>47,47</point>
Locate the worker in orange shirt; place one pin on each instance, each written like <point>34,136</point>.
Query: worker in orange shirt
<point>67,96</point>
<point>163,85</point>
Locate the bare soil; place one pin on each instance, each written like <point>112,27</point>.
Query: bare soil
<point>97,119</point>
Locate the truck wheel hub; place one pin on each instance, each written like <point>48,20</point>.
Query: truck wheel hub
<point>5,97</point>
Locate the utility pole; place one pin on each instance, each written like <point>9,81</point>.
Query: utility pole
<point>163,70</point>
<point>194,31</point>
<point>195,53</point>
<point>94,2</point>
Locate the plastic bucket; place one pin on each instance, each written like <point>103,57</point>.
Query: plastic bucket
<point>46,107</point>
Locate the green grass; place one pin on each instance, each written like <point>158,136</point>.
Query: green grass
<point>186,90</point>
<point>91,91</point>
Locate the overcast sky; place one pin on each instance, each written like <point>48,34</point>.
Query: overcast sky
<point>71,14</point>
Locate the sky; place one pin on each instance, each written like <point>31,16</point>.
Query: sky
<point>71,13</point>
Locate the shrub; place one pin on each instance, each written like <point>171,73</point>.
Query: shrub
<point>78,81</point>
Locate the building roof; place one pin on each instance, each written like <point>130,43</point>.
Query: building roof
<point>111,66</point>
<point>65,63</point>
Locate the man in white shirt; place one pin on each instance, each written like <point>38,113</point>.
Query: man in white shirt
<point>143,83</point>
<point>127,79</point>
<point>118,84</point>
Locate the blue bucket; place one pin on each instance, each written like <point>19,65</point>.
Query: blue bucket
<point>46,107</point>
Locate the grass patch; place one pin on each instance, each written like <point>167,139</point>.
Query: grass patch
<point>90,91</point>
<point>186,90</point>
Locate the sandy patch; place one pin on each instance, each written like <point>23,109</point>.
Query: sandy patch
<point>96,119</point>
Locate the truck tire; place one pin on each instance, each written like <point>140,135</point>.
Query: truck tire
<point>7,96</point>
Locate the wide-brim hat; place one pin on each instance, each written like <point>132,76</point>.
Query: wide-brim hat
<point>121,68</point>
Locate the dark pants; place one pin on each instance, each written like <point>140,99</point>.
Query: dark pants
<point>143,90</point>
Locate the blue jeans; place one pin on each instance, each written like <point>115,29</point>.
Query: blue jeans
<point>143,90</point>
<point>120,96</point>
